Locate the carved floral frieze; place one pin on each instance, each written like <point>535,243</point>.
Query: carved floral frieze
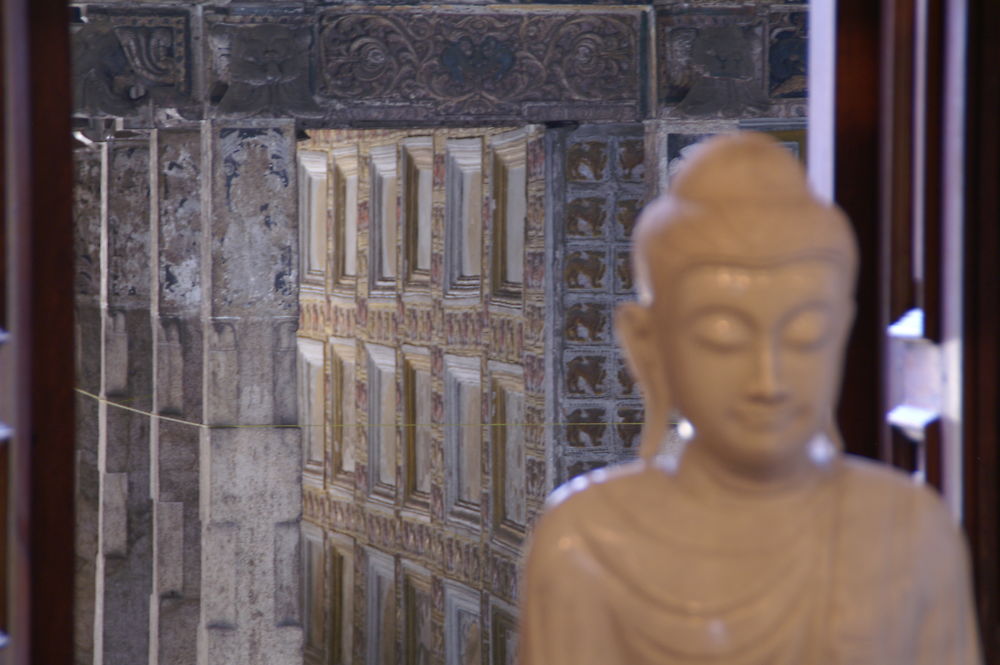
<point>479,63</point>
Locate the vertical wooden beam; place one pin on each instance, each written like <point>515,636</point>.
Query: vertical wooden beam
<point>981,335</point>
<point>37,394</point>
<point>856,187</point>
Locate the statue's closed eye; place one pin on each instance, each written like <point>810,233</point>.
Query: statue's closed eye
<point>722,331</point>
<point>808,328</point>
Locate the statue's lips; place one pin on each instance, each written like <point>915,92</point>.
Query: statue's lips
<point>765,419</point>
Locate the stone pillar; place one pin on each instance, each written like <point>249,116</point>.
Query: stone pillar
<point>249,464</point>
<point>125,566</point>
<point>177,174</point>
<point>88,164</point>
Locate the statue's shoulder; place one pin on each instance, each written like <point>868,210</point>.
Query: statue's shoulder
<point>596,499</point>
<point>876,492</point>
<point>581,512</point>
<point>596,485</point>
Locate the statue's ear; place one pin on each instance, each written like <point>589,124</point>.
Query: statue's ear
<point>633,328</point>
<point>641,343</point>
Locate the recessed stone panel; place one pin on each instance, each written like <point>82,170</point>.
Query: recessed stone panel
<point>587,426</point>
<point>628,425</point>
<point>587,161</point>
<point>586,217</point>
<point>587,322</point>
<point>631,160</point>
<point>587,375</point>
<point>623,272</point>
<point>586,270</point>
<point>626,212</point>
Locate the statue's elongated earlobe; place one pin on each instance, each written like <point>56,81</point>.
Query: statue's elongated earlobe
<point>642,354</point>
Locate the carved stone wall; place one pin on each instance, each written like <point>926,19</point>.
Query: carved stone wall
<point>193,279</point>
<point>445,542</point>
<point>189,495</point>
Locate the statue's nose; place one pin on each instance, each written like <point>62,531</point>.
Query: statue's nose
<point>767,383</point>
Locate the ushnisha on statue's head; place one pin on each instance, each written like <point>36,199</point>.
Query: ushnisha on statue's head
<point>745,283</point>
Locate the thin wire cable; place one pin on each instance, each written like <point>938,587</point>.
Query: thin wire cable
<point>193,423</point>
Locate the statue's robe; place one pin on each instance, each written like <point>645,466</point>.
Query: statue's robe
<point>866,568</point>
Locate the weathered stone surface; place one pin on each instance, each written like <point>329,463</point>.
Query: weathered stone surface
<point>254,239</point>
<point>250,365</point>
<point>250,546</point>
<point>711,61</point>
<point>179,186</point>
<point>87,506</point>
<point>125,58</point>
<point>176,602</point>
<point>128,229</point>
<point>87,165</point>
<point>127,539</point>
<point>262,63</point>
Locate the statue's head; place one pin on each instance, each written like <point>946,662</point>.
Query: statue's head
<point>745,285</point>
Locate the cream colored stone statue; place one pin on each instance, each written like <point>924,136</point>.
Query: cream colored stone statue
<point>761,543</point>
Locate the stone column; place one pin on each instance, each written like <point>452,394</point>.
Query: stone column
<point>177,174</point>
<point>249,464</point>
<point>124,564</point>
<point>88,164</point>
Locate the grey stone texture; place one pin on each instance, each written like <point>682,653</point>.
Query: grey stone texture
<point>188,325</point>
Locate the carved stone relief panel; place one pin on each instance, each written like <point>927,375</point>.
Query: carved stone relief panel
<point>711,61</point>
<point>418,65</point>
<point>260,63</point>
<point>601,190</point>
<point>124,59</point>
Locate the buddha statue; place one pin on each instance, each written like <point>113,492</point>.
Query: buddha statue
<point>760,543</point>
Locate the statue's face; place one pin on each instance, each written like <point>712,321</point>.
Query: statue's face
<point>753,356</point>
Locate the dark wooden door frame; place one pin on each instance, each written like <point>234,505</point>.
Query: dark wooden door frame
<point>981,343</point>
<point>38,368</point>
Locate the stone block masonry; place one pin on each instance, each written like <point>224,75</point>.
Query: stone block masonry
<point>189,455</point>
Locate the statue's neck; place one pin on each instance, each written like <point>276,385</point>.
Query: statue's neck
<point>708,478</point>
